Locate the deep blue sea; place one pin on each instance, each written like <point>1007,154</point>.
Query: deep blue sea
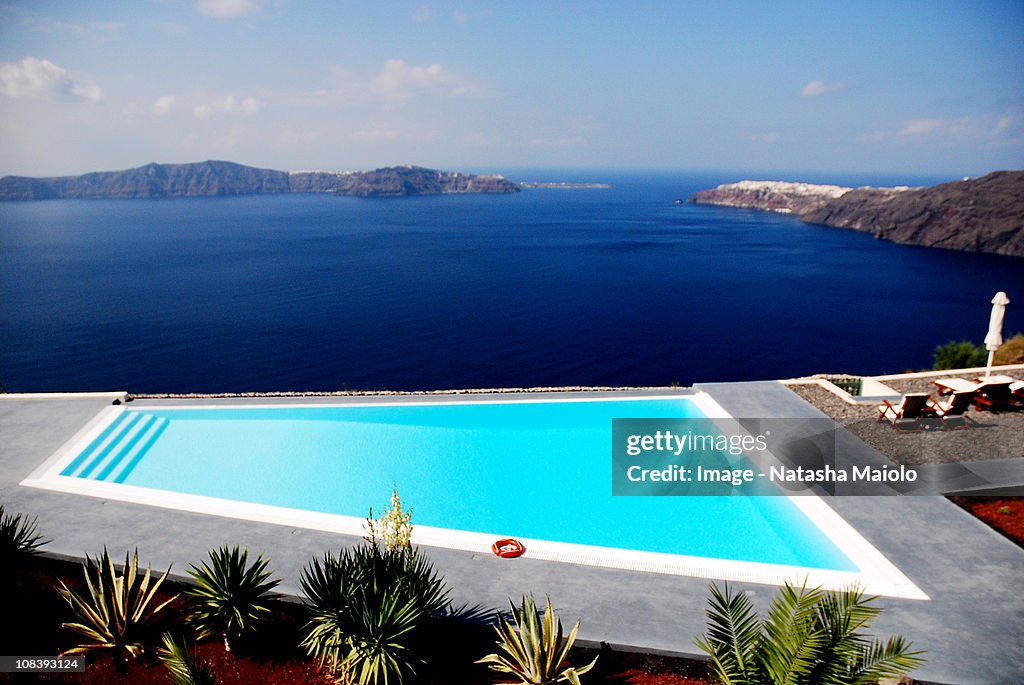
<point>544,287</point>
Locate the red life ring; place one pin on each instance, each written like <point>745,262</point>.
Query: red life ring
<point>508,548</point>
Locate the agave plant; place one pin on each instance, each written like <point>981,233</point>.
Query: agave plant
<point>19,539</point>
<point>231,597</point>
<point>535,650</point>
<point>808,637</point>
<point>117,608</point>
<point>367,609</point>
<point>184,667</point>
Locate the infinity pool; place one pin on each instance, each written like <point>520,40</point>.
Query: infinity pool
<point>472,471</point>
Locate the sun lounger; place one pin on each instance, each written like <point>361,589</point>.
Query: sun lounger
<point>911,409</point>
<point>1017,392</point>
<point>954,408</point>
<point>947,386</point>
<point>993,393</point>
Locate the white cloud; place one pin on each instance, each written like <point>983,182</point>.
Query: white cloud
<point>225,9</point>
<point>481,139</point>
<point>383,131</point>
<point>423,13</point>
<point>162,105</point>
<point>918,127</point>
<point>465,17</point>
<point>375,135</point>
<point>816,88</point>
<point>171,28</point>
<point>962,129</point>
<point>228,104</point>
<point>98,30</point>
<point>564,141</point>
<point>41,78</point>
<point>232,137</point>
<point>399,81</point>
<point>767,138</point>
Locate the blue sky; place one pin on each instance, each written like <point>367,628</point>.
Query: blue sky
<point>899,87</point>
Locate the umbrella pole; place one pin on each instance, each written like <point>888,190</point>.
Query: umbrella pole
<point>988,367</point>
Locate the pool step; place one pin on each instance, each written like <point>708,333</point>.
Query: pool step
<point>118,449</point>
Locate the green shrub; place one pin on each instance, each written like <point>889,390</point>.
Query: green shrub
<point>959,355</point>
<point>184,667</point>
<point>809,637</point>
<point>230,597</point>
<point>19,540</point>
<point>117,608</point>
<point>535,651</point>
<point>367,610</point>
<point>850,384</point>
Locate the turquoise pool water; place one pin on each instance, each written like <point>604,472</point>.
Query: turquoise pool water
<point>539,470</point>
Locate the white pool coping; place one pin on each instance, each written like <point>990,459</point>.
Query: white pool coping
<point>877,574</point>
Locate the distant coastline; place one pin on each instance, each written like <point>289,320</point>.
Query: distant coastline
<point>220,178</point>
<point>976,215</point>
<point>564,185</point>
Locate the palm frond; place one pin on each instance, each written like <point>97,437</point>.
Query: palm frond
<point>183,666</point>
<point>889,660</point>
<point>794,640</point>
<point>733,635</point>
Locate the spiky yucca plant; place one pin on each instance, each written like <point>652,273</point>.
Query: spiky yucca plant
<point>368,607</point>
<point>19,540</point>
<point>18,536</point>
<point>809,637</point>
<point>183,666</point>
<point>535,651</point>
<point>231,597</point>
<point>116,609</point>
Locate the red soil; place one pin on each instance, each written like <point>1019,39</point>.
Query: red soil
<point>1005,514</point>
<point>233,670</point>
<point>454,648</point>
<point>276,660</point>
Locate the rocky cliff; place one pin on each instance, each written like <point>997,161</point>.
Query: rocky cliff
<point>153,180</point>
<point>399,181</point>
<point>979,215</point>
<point>771,196</point>
<point>214,178</point>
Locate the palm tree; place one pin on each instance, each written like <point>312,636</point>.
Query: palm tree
<point>809,637</point>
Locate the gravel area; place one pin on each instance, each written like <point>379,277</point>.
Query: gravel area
<point>990,436</point>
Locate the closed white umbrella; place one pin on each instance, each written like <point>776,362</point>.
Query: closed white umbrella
<point>995,328</point>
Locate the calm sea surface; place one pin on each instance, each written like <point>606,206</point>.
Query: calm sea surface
<point>546,287</point>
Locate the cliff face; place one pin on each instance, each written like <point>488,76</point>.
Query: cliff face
<point>316,181</point>
<point>411,180</point>
<point>153,180</point>
<point>771,196</point>
<point>227,178</point>
<point>979,215</point>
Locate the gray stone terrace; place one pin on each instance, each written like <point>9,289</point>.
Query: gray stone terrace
<point>970,627</point>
